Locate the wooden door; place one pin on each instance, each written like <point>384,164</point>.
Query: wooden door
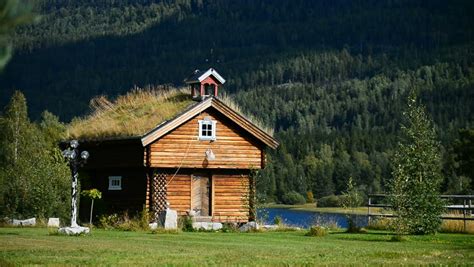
<point>200,195</point>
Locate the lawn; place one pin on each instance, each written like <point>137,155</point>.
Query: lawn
<point>35,246</point>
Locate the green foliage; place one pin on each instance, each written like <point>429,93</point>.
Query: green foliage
<point>415,196</point>
<point>329,201</point>
<point>464,154</point>
<point>318,231</point>
<point>351,198</point>
<point>123,222</point>
<point>380,223</point>
<point>309,197</point>
<point>34,179</point>
<point>335,102</point>
<point>186,223</point>
<point>277,220</point>
<point>293,198</point>
<point>92,193</point>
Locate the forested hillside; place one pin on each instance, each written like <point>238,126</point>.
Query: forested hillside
<point>330,76</point>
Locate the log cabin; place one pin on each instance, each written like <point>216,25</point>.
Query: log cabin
<point>198,160</point>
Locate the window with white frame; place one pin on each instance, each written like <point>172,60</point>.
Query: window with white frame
<point>207,129</point>
<point>115,182</point>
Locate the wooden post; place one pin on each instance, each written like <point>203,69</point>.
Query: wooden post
<point>464,215</point>
<point>368,211</point>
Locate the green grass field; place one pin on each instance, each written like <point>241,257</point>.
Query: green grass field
<point>30,246</point>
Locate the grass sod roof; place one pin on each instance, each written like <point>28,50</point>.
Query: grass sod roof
<point>136,113</point>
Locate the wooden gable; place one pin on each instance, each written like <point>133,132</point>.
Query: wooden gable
<point>240,121</point>
<point>233,148</point>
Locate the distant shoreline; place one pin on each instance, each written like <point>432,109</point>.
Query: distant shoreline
<point>312,207</point>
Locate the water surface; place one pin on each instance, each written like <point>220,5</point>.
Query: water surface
<point>305,219</point>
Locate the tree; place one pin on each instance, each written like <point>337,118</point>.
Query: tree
<point>33,175</point>
<point>92,194</point>
<point>417,174</point>
<point>464,151</point>
<point>351,199</point>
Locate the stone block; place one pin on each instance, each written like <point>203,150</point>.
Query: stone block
<point>171,219</point>
<point>249,226</point>
<point>53,222</point>
<point>153,226</point>
<point>27,222</point>
<point>207,226</point>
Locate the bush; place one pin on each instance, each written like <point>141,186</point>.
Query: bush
<point>277,220</point>
<point>124,222</point>
<point>309,197</point>
<point>330,201</point>
<point>293,198</point>
<point>230,228</point>
<point>353,227</point>
<point>380,224</point>
<point>317,231</point>
<point>186,224</point>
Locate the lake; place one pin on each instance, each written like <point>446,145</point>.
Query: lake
<point>305,219</point>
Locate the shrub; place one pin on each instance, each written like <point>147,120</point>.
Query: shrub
<point>309,197</point>
<point>317,230</point>
<point>186,224</point>
<point>229,228</point>
<point>380,224</point>
<point>109,221</point>
<point>277,220</point>
<point>293,198</point>
<point>330,201</point>
<point>124,222</point>
<point>353,227</point>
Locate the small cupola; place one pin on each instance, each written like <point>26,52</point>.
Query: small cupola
<point>204,83</point>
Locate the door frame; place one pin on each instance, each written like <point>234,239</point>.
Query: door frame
<point>211,191</point>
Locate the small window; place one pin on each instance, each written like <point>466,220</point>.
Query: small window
<point>115,182</point>
<point>207,129</point>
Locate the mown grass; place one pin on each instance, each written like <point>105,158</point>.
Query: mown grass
<point>27,246</point>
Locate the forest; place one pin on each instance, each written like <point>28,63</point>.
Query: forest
<point>331,77</point>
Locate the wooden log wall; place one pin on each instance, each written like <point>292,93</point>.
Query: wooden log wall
<point>230,198</point>
<point>233,147</point>
<point>179,192</point>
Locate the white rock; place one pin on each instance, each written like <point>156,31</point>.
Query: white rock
<point>53,222</point>
<point>249,226</point>
<point>216,226</point>
<point>207,226</point>
<point>270,227</point>
<point>74,230</point>
<point>27,222</point>
<point>171,219</point>
<point>153,226</point>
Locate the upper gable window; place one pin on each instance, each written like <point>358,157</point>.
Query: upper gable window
<point>207,129</point>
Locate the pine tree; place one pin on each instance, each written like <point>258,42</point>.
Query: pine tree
<point>417,174</point>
